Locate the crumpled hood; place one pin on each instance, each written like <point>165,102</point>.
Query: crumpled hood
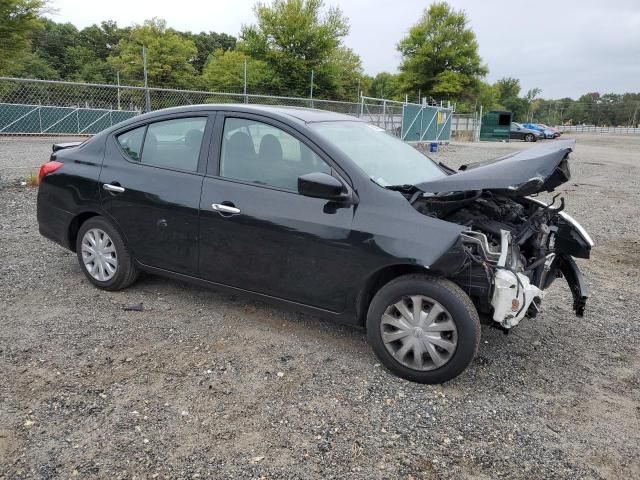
<point>523,173</point>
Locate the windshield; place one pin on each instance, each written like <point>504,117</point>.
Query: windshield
<point>384,158</point>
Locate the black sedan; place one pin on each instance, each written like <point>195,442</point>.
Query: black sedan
<point>323,212</point>
<point>519,132</point>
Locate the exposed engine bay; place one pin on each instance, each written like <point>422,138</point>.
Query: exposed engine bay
<point>514,245</point>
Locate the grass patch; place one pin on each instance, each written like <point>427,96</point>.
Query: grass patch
<point>32,179</point>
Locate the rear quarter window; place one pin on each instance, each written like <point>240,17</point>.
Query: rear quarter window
<point>131,142</point>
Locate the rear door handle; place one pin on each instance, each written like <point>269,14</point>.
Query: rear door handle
<point>220,208</point>
<point>113,188</point>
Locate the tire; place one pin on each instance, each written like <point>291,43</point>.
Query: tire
<point>383,317</point>
<point>117,255</point>
<point>529,137</point>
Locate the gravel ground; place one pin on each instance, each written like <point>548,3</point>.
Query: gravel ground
<point>206,384</point>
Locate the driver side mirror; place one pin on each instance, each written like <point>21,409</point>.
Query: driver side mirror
<point>322,185</point>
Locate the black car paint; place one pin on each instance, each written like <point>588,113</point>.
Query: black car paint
<point>320,255</point>
<point>519,132</point>
<point>531,169</point>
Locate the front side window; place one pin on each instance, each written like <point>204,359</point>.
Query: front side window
<point>174,143</point>
<point>265,155</point>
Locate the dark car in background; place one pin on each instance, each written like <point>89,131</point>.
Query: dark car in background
<point>519,132</point>
<point>325,213</point>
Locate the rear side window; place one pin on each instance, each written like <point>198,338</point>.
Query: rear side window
<point>131,142</point>
<point>174,143</point>
<point>170,143</point>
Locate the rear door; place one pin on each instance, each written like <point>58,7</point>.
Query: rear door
<point>269,239</point>
<point>150,185</point>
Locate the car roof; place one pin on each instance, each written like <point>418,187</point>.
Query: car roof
<point>305,115</point>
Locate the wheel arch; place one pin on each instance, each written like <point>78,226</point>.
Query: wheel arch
<point>81,217</point>
<point>376,281</point>
<point>76,223</point>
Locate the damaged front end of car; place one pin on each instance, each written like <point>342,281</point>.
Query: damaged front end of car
<point>514,245</point>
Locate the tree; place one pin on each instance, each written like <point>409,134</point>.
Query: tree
<point>386,85</point>
<point>224,72</point>
<point>340,76</point>
<point>19,19</point>
<point>508,97</point>
<point>168,56</point>
<point>440,55</point>
<point>207,43</point>
<point>51,44</point>
<point>488,97</point>
<point>103,39</point>
<point>532,104</point>
<point>295,37</point>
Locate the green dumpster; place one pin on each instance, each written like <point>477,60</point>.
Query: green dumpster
<point>495,126</point>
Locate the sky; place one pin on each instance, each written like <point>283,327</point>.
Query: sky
<point>564,47</point>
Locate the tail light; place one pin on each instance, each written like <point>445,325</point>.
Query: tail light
<point>48,168</point>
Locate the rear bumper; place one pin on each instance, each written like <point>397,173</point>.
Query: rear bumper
<point>54,223</point>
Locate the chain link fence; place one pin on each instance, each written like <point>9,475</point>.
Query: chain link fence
<point>45,107</point>
<point>464,126</point>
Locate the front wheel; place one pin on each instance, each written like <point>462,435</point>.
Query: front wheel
<point>529,137</point>
<point>423,329</point>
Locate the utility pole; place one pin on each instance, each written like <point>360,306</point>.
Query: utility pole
<point>311,90</point>
<point>358,95</point>
<point>147,97</point>
<point>246,99</point>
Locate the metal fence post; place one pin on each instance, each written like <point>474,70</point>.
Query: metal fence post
<point>384,114</point>
<point>147,96</point>
<point>40,117</point>
<point>246,99</point>
<point>311,91</point>
<point>118,78</point>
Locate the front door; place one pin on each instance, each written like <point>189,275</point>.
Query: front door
<point>257,232</point>
<point>150,185</point>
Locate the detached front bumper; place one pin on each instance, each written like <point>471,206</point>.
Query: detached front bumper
<point>577,284</point>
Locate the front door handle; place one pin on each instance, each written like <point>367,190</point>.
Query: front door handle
<point>113,188</point>
<point>221,208</point>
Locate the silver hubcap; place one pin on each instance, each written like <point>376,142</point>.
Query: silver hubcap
<point>419,332</point>
<point>99,254</point>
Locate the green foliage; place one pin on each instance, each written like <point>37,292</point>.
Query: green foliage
<point>19,19</point>
<point>51,44</point>
<point>339,77</point>
<point>169,56</point>
<point>386,85</point>
<point>440,55</point>
<point>508,98</point>
<point>206,44</point>
<point>32,65</point>
<point>295,37</point>
<point>224,72</point>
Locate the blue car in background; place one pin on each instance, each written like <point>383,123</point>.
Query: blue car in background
<point>545,132</point>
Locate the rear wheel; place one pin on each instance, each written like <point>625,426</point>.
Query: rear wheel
<point>423,329</point>
<point>103,255</point>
